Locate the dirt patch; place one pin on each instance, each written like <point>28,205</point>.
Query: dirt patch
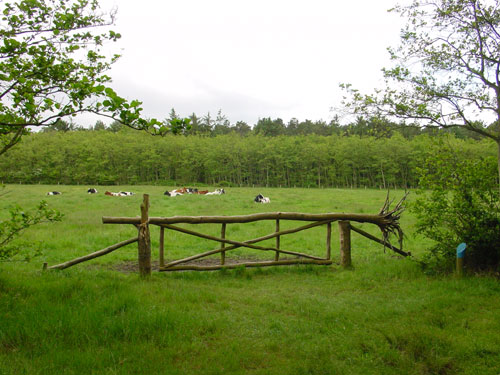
<point>133,266</point>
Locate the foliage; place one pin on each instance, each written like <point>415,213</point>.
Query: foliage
<point>446,71</point>
<point>461,206</point>
<point>52,67</point>
<point>20,220</point>
<point>107,158</point>
<point>445,67</point>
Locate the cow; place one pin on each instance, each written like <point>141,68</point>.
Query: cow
<point>175,192</point>
<point>261,199</point>
<point>120,194</point>
<point>217,192</point>
<point>203,192</point>
<point>54,193</point>
<point>180,191</point>
<point>92,191</point>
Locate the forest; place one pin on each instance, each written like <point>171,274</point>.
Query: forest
<point>364,154</point>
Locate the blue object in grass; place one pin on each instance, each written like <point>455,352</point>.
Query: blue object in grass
<point>461,250</point>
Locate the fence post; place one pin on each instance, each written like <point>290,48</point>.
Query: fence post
<point>277,255</point>
<point>162,246</point>
<point>144,242</point>
<point>223,244</point>
<point>329,241</point>
<point>345,244</point>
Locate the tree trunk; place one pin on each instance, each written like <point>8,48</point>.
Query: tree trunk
<point>498,162</point>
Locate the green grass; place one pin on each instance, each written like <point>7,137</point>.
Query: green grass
<point>383,317</point>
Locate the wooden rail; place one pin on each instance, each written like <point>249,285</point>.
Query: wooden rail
<point>94,255</point>
<point>377,219</point>
<point>387,220</point>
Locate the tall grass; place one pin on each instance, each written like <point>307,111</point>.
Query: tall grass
<point>383,317</point>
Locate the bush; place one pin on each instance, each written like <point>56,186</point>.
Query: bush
<point>20,220</point>
<point>459,202</point>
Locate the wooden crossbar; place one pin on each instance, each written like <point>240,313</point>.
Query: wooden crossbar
<point>285,262</point>
<point>93,255</point>
<point>380,220</point>
<point>385,243</point>
<point>237,244</point>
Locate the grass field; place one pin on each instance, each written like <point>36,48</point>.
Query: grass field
<point>383,317</point>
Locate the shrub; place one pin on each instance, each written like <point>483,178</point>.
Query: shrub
<point>20,220</point>
<point>459,202</point>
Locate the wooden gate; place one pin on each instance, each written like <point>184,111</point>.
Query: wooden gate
<point>387,220</point>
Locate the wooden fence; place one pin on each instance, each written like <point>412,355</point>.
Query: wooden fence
<point>387,220</point>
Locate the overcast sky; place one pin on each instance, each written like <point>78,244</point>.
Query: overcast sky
<point>252,59</point>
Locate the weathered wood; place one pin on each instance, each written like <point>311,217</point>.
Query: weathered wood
<point>286,262</point>
<point>373,238</point>
<point>345,244</point>
<point>223,244</point>
<point>215,251</point>
<point>277,254</point>
<point>237,244</point>
<point>93,255</point>
<point>328,241</point>
<point>162,247</point>
<point>144,243</point>
<point>379,219</point>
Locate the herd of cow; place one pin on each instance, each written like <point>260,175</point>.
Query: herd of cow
<point>258,199</point>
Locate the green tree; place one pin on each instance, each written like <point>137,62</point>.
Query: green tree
<point>52,68</point>
<point>447,68</point>
<point>269,128</point>
<point>195,124</point>
<point>60,126</point>
<point>115,127</point>
<point>242,128</point>
<point>99,125</point>
<point>206,124</point>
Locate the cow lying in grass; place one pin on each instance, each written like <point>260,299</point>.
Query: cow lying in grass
<point>54,193</point>
<point>92,191</point>
<point>216,192</point>
<point>172,193</point>
<point>261,199</point>
<point>120,194</point>
<point>181,191</point>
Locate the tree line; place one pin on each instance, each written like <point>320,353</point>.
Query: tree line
<point>130,157</point>
<point>212,126</point>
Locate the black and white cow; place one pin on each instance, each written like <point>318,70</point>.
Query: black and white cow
<point>172,193</point>
<point>261,199</point>
<point>54,193</point>
<point>217,192</point>
<point>92,191</point>
<point>125,193</point>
